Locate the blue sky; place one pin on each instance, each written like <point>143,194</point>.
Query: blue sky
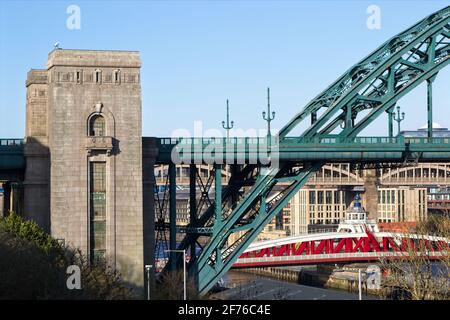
<point>197,54</point>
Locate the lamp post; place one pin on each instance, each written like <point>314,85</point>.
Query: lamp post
<point>148,267</point>
<point>390,113</point>
<point>270,116</point>
<point>359,284</point>
<point>184,269</point>
<point>229,124</point>
<point>398,118</point>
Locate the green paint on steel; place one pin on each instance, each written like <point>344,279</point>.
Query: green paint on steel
<point>374,84</point>
<point>12,154</point>
<point>430,106</point>
<point>324,148</point>
<point>172,215</point>
<point>382,77</point>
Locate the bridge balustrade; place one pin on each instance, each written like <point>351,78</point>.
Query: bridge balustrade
<point>324,258</point>
<point>166,141</point>
<point>244,144</point>
<point>11,142</point>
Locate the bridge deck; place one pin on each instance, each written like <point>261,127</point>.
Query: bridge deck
<point>12,154</point>
<point>327,149</point>
<point>264,151</point>
<point>337,247</point>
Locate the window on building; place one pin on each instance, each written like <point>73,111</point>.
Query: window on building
<point>98,76</point>
<point>320,197</point>
<point>79,76</point>
<point>337,198</point>
<point>312,197</point>
<point>410,173</point>
<point>97,211</point>
<point>328,197</point>
<point>116,76</point>
<point>279,221</point>
<point>418,173</point>
<point>97,126</point>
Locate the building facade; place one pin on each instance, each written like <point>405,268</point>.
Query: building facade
<point>400,193</point>
<point>402,204</point>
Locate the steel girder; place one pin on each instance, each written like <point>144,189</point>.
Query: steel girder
<point>374,84</point>
<point>12,156</point>
<point>379,80</point>
<point>246,221</point>
<point>162,225</point>
<point>203,223</point>
<point>331,148</point>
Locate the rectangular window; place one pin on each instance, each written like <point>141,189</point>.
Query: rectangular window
<point>328,197</point>
<point>98,76</point>
<point>320,197</point>
<point>97,211</point>
<point>117,76</point>
<point>312,197</point>
<point>279,221</point>
<point>337,198</point>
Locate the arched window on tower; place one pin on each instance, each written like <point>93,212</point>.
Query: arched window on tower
<point>97,126</point>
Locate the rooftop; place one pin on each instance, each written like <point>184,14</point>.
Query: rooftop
<point>93,58</point>
<point>436,126</point>
<point>91,50</point>
<point>438,131</point>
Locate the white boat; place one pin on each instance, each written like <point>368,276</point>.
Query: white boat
<point>356,220</point>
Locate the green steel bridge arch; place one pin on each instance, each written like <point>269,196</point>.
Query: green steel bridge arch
<point>363,93</point>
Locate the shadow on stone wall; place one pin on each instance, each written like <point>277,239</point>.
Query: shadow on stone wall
<point>36,184</point>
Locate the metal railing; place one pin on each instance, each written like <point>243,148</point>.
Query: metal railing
<point>344,140</point>
<point>12,142</point>
<point>301,140</point>
<point>425,140</point>
<point>327,256</point>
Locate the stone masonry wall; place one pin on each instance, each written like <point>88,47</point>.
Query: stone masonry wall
<point>37,173</point>
<point>74,95</point>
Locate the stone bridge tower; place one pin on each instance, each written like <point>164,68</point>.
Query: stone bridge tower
<point>84,177</point>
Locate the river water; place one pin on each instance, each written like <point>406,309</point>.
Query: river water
<point>246,286</point>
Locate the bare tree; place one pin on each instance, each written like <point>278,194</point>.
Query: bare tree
<point>170,287</point>
<point>421,268</point>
